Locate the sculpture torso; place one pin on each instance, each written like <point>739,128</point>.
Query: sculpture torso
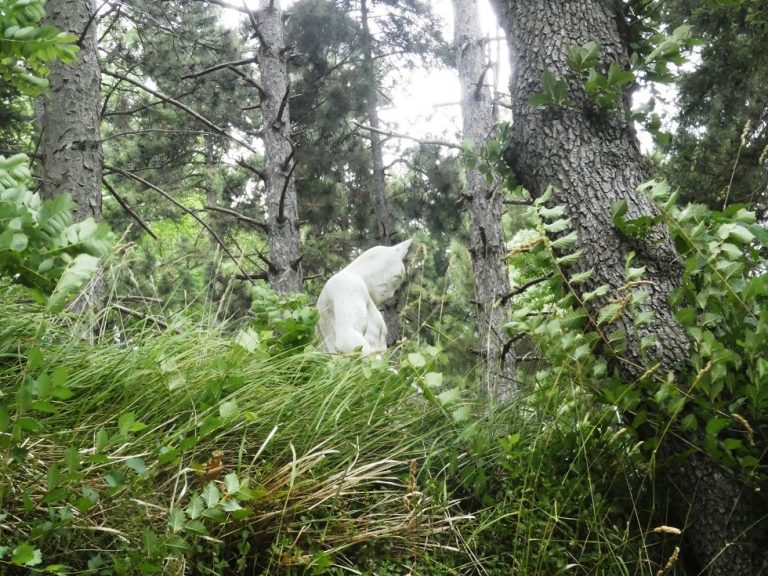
<point>348,305</point>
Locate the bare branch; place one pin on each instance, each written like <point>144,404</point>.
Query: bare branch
<point>407,137</point>
<point>175,202</point>
<point>239,216</point>
<point>181,106</point>
<point>280,213</point>
<point>283,102</point>
<point>524,287</point>
<point>137,314</point>
<point>249,80</point>
<point>128,209</point>
<point>242,62</point>
<point>259,173</point>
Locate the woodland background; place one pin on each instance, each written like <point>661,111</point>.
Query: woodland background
<point>577,381</point>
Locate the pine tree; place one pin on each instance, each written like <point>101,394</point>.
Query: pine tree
<point>486,237</point>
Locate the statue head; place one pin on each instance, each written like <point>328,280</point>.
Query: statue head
<point>382,270</point>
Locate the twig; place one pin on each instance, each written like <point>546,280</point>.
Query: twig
<point>216,67</point>
<point>128,209</point>
<point>259,173</point>
<point>181,106</point>
<point>137,314</point>
<point>280,215</point>
<point>524,287</point>
<point>175,202</point>
<point>407,137</point>
<point>518,202</point>
<point>239,216</point>
<point>249,80</point>
<point>283,103</point>
<point>88,24</point>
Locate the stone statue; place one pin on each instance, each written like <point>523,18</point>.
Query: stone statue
<point>348,305</point>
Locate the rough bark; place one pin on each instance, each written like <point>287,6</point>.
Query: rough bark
<point>390,309</point>
<point>71,144</point>
<point>591,158</point>
<point>486,239</point>
<point>285,273</point>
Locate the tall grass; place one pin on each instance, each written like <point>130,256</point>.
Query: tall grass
<point>336,452</point>
<point>200,449</point>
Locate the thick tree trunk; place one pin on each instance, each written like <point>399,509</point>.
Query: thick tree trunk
<point>285,273</point>
<point>71,144</point>
<point>390,309</point>
<point>71,140</point>
<point>591,158</point>
<point>486,239</point>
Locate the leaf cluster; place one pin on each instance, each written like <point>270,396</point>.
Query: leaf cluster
<point>26,45</point>
<point>41,247</point>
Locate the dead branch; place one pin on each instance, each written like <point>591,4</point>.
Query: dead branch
<point>216,67</point>
<point>259,173</point>
<point>137,314</point>
<point>520,289</point>
<point>180,106</point>
<point>128,209</point>
<point>175,202</point>
<point>283,103</point>
<point>239,216</point>
<point>281,210</point>
<point>407,137</point>
<point>249,80</point>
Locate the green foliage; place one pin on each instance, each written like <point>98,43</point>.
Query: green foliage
<point>41,247</point>
<point>718,403</point>
<point>718,150</point>
<point>553,92</point>
<point>26,45</point>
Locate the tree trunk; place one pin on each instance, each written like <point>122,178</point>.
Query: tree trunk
<point>71,140</point>
<point>71,144</point>
<point>591,158</point>
<point>390,309</point>
<point>285,273</point>
<point>486,240</point>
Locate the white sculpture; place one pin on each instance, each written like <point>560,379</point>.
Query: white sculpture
<point>348,305</point>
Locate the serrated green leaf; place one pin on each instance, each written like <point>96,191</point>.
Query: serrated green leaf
<point>570,258</point>
<point>211,495</point>
<point>735,231</point>
<point>26,555</point>
<point>195,508</point>
<point>416,360</point>
<point>75,276</point>
<point>448,397</point>
<point>229,410</point>
<point>176,520</point>
<point>610,313</point>
<point>433,379</point>
<point>557,225</point>
<point>565,241</point>
<point>229,505</point>
<point>137,465</point>
<point>231,483</point>
<point>581,277</point>
<point>551,213</point>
